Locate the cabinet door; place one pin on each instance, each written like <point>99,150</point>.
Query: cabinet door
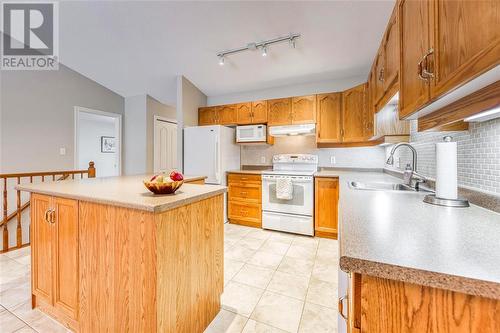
<point>353,114</point>
<point>207,116</point>
<point>279,111</point>
<point>42,236</point>
<point>244,113</point>
<point>304,109</point>
<point>380,72</point>
<point>66,256</point>
<point>391,52</point>
<point>466,41</point>
<point>368,116</point>
<point>329,117</point>
<point>227,115</point>
<point>326,197</point>
<point>414,44</point>
<point>259,112</point>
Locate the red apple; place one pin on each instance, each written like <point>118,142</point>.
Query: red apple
<point>153,178</point>
<point>176,176</point>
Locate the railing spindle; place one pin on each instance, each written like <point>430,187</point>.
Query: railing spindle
<point>5,230</point>
<point>19,232</point>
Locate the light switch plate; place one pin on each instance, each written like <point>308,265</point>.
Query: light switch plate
<point>262,159</point>
<point>333,160</point>
<point>62,151</point>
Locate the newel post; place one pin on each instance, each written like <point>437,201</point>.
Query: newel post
<point>91,173</point>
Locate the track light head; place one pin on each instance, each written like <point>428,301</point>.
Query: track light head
<point>221,60</point>
<point>264,51</point>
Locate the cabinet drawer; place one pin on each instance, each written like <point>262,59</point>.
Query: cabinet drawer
<point>248,192</point>
<point>243,178</point>
<point>245,211</point>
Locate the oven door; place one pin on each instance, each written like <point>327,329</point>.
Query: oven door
<point>302,202</point>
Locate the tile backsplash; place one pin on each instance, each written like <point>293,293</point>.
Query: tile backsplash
<point>364,157</point>
<point>478,154</point>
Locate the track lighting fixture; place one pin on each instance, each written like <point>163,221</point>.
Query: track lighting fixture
<point>263,46</point>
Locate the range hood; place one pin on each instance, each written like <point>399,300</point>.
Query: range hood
<point>292,130</point>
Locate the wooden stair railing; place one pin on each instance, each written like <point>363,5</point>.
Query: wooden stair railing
<point>90,172</point>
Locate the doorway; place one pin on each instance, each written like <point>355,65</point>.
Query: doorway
<point>165,144</point>
<point>98,138</point>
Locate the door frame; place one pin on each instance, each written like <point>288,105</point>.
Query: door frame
<point>117,116</point>
<point>164,119</point>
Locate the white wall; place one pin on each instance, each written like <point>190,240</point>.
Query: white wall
<point>135,135</point>
<point>139,132</point>
<point>189,99</point>
<point>38,116</point>
<point>362,157</point>
<point>91,129</point>
<point>287,91</point>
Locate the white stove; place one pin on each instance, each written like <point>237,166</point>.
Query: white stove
<point>296,214</point>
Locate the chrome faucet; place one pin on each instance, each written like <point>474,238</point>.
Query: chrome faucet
<point>410,172</point>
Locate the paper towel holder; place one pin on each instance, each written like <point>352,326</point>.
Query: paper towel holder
<point>433,200</point>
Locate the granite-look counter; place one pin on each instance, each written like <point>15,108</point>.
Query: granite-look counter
<point>395,235</point>
<point>125,191</point>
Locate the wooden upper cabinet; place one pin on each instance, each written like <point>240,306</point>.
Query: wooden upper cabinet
<point>207,116</point>
<point>259,112</point>
<point>329,118</point>
<point>353,114</point>
<point>304,109</point>
<point>414,45</point>
<point>391,52</point>
<point>466,41</point>
<point>244,113</point>
<point>279,111</point>
<point>379,78</point>
<point>227,115</point>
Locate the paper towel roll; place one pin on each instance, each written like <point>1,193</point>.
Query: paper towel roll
<point>446,170</point>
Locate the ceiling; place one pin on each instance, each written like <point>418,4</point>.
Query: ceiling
<point>139,47</point>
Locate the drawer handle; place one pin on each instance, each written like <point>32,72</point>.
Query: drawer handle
<point>244,178</point>
<point>341,306</point>
<point>243,193</point>
<point>52,216</point>
<point>46,216</point>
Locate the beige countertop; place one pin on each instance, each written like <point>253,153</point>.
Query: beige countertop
<point>125,191</point>
<point>395,235</point>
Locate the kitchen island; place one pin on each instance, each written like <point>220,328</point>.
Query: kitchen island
<point>108,255</point>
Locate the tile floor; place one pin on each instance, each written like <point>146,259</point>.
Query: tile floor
<point>274,282</point>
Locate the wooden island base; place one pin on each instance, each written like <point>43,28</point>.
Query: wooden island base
<point>104,268</point>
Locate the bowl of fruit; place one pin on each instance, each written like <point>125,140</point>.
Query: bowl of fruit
<point>165,183</point>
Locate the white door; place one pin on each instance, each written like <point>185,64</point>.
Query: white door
<point>165,146</point>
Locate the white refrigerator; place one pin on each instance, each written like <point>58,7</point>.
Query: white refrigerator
<point>211,151</point>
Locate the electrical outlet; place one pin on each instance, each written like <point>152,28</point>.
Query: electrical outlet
<point>262,159</point>
<point>332,160</point>
<point>62,151</point>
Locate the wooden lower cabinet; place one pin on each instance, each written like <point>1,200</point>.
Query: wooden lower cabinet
<point>245,199</point>
<point>326,198</point>
<point>103,268</point>
<point>55,257</point>
<point>378,305</point>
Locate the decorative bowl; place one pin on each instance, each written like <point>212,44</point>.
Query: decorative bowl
<point>163,188</point>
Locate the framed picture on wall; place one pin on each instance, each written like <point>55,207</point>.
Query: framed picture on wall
<point>108,144</point>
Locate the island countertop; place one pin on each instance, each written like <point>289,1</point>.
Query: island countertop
<point>395,235</point>
<point>125,191</point>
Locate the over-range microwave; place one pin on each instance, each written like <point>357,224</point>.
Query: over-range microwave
<point>251,133</point>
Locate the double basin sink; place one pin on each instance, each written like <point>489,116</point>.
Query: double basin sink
<point>385,187</point>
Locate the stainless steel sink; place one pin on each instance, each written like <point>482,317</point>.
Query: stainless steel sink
<point>385,187</point>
